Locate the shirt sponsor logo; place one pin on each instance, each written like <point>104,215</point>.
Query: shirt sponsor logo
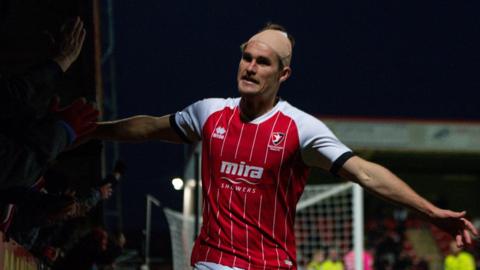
<point>242,172</point>
<point>237,188</point>
<point>219,133</point>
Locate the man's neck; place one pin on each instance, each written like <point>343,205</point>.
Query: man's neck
<point>251,108</point>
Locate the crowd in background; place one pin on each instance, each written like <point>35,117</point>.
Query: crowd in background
<point>388,247</point>
<point>39,207</point>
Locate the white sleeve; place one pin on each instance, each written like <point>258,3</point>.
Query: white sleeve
<point>189,122</point>
<point>320,147</point>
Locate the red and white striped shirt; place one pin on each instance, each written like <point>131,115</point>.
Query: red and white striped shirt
<point>253,174</point>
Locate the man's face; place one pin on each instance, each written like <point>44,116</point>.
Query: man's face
<point>454,249</point>
<point>333,255</point>
<point>258,71</point>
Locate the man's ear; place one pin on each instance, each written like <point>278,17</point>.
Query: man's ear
<point>285,74</point>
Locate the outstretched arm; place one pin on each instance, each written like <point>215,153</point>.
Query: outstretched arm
<point>138,128</point>
<point>385,184</point>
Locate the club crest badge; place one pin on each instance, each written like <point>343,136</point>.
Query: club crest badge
<point>277,138</point>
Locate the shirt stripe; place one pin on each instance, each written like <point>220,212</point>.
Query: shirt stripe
<point>228,128</point>
<point>246,223</point>
<point>253,144</point>
<point>259,224</point>
<point>288,208</point>
<point>231,223</point>
<point>239,140</point>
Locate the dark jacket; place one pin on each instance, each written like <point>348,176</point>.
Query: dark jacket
<point>29,137</point>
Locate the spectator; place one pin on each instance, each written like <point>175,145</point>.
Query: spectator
<point>459,259</point>
<point>367,258</point>
<point>333,261</point>
<point>40,210</point>
<point>388,249</point>
<point>115,245</point>
<point>65,231</point>
<point>26,97</point>
<point>403,261</point>
<point>420,263</point>
<point>26,155</point>
<point>30,136</point>
<point>86,253</point>
<point>317,260</point>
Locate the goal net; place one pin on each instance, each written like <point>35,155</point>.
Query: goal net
<point>182,236</point>
<point>324,221</point>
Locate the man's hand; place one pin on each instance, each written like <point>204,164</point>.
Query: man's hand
<point>455,224</point>
<point>70,45</point>
<point>79,116</point>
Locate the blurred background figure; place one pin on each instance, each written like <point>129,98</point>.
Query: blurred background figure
<point>333,261</point>
<point>459,259</point>
<point>86,253</point>
<point>318,259</point>
<point>367,257</point>
<point>33,130</point>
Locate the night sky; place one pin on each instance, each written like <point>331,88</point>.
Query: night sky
<point>400,59</point>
